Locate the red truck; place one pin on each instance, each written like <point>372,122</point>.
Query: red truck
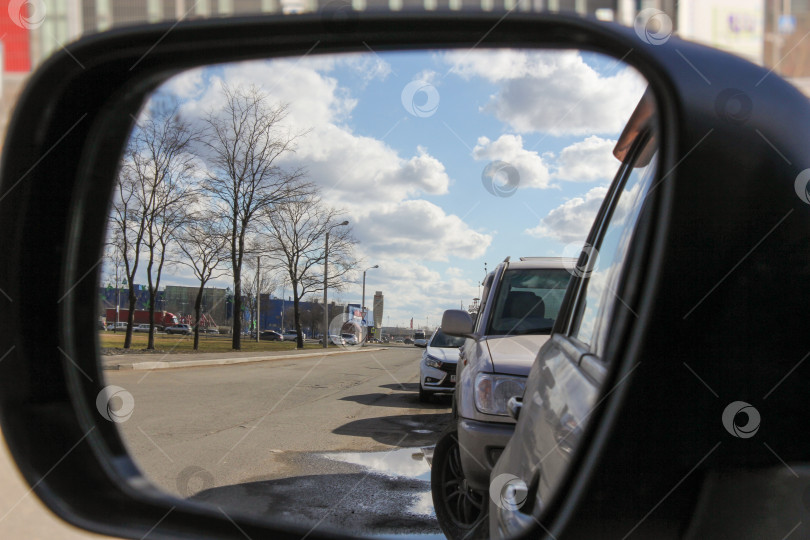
<point>162,318</point>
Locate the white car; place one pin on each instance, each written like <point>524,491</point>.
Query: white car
<point>437,370</point>
<point>336,340</point>
<point>419,339</point>
<point>291,335</point>
<point>349,339</point>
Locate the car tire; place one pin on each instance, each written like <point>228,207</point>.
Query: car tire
<point>461,511</point>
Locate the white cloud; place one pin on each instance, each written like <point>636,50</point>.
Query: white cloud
<point>413,290</point>
<point>188,84</point>
<point>552,92</point>
<point>588,160</point>
<point>509,148</point>
<point>572,220</point>
<point>421,230</point>
<point>350,168</point>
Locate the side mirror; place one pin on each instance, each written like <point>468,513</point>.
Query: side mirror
<point>514,406</point>
<point>457,322</point>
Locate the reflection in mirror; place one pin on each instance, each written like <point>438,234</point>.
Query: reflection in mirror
<point>283,231</point>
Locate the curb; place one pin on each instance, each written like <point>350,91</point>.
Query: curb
<point>146,366</point>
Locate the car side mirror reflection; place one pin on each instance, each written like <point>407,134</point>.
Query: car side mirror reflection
<point>457,322</point>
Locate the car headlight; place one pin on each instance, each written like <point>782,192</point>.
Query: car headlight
<point>432,361</point>
<point>492,391</point>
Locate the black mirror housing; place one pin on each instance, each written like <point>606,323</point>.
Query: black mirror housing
<point>58,166</point>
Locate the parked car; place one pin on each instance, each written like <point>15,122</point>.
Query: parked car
<point>336,340</point>
<point>271,335</point>
<point>117,326</point>
<point>349,338</point>
<point>292,335</point>
<point>520,302</point>
<point>183,329</point>
<point>144,328</point>
<point>437,370</point>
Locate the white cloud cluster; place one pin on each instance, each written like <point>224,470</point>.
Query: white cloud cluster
<point>572,220</point>
<point>587,161</point>
<point>509,148</point>
<point>419,229</point>
<point>552,92</point>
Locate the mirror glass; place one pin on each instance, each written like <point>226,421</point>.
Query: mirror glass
<point>396,181</point>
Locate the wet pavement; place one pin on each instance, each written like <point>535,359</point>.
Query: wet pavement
<point>319,443</point>
<point>376,493</point>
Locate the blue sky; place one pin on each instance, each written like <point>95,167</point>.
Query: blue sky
<point>407,165</point>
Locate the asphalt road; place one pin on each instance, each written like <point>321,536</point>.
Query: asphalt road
<point>331,442</point>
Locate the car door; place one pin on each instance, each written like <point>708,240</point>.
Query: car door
<point>566,379</point>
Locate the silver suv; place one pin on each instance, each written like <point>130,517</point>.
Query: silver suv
<point>520,303</point>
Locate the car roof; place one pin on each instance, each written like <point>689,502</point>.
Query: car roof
<point>542,262</point>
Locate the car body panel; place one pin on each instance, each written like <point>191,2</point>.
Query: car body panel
<point>558,399</point>
<point>509,354</point>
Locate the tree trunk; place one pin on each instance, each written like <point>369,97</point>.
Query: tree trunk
<point>150,341</point>
<point>299,340</point>
<point>197,309</point>
<point>236,342</point>
<point>130,317</point>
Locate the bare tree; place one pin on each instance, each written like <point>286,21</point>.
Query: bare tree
<point>114,270</point>
<point>295,233</point>
<point>128,224</point>
<point>242,144</point>
<point>203,242</point>
<point>162,165</point>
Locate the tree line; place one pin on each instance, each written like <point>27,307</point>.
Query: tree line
<point>213,195</point>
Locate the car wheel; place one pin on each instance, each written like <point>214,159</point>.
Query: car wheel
<point>460,510</point>
<point>424,397</point>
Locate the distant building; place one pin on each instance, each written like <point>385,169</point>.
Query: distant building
<point>180,301</point>
<point>378,309</point>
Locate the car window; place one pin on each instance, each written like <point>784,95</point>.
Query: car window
<point>479,320</point>
<point>528,301</point>
<point>443,341</point>
<point>600,295</point>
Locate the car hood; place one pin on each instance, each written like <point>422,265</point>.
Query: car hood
<point>443,354</point>
<point>514,355</point>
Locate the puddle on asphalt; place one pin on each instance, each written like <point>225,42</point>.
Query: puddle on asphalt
<point>401,463</point>
<point>404,462</point>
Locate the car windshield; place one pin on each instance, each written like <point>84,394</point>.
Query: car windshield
<point>443,341</point>
<point>528,301</point>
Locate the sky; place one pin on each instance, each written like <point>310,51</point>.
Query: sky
<point>442,160</point>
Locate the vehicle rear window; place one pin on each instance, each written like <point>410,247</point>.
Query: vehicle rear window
<point>528,301</point>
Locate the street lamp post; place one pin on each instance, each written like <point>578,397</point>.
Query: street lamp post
<point>363,302</point>
<point>325,274</point>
